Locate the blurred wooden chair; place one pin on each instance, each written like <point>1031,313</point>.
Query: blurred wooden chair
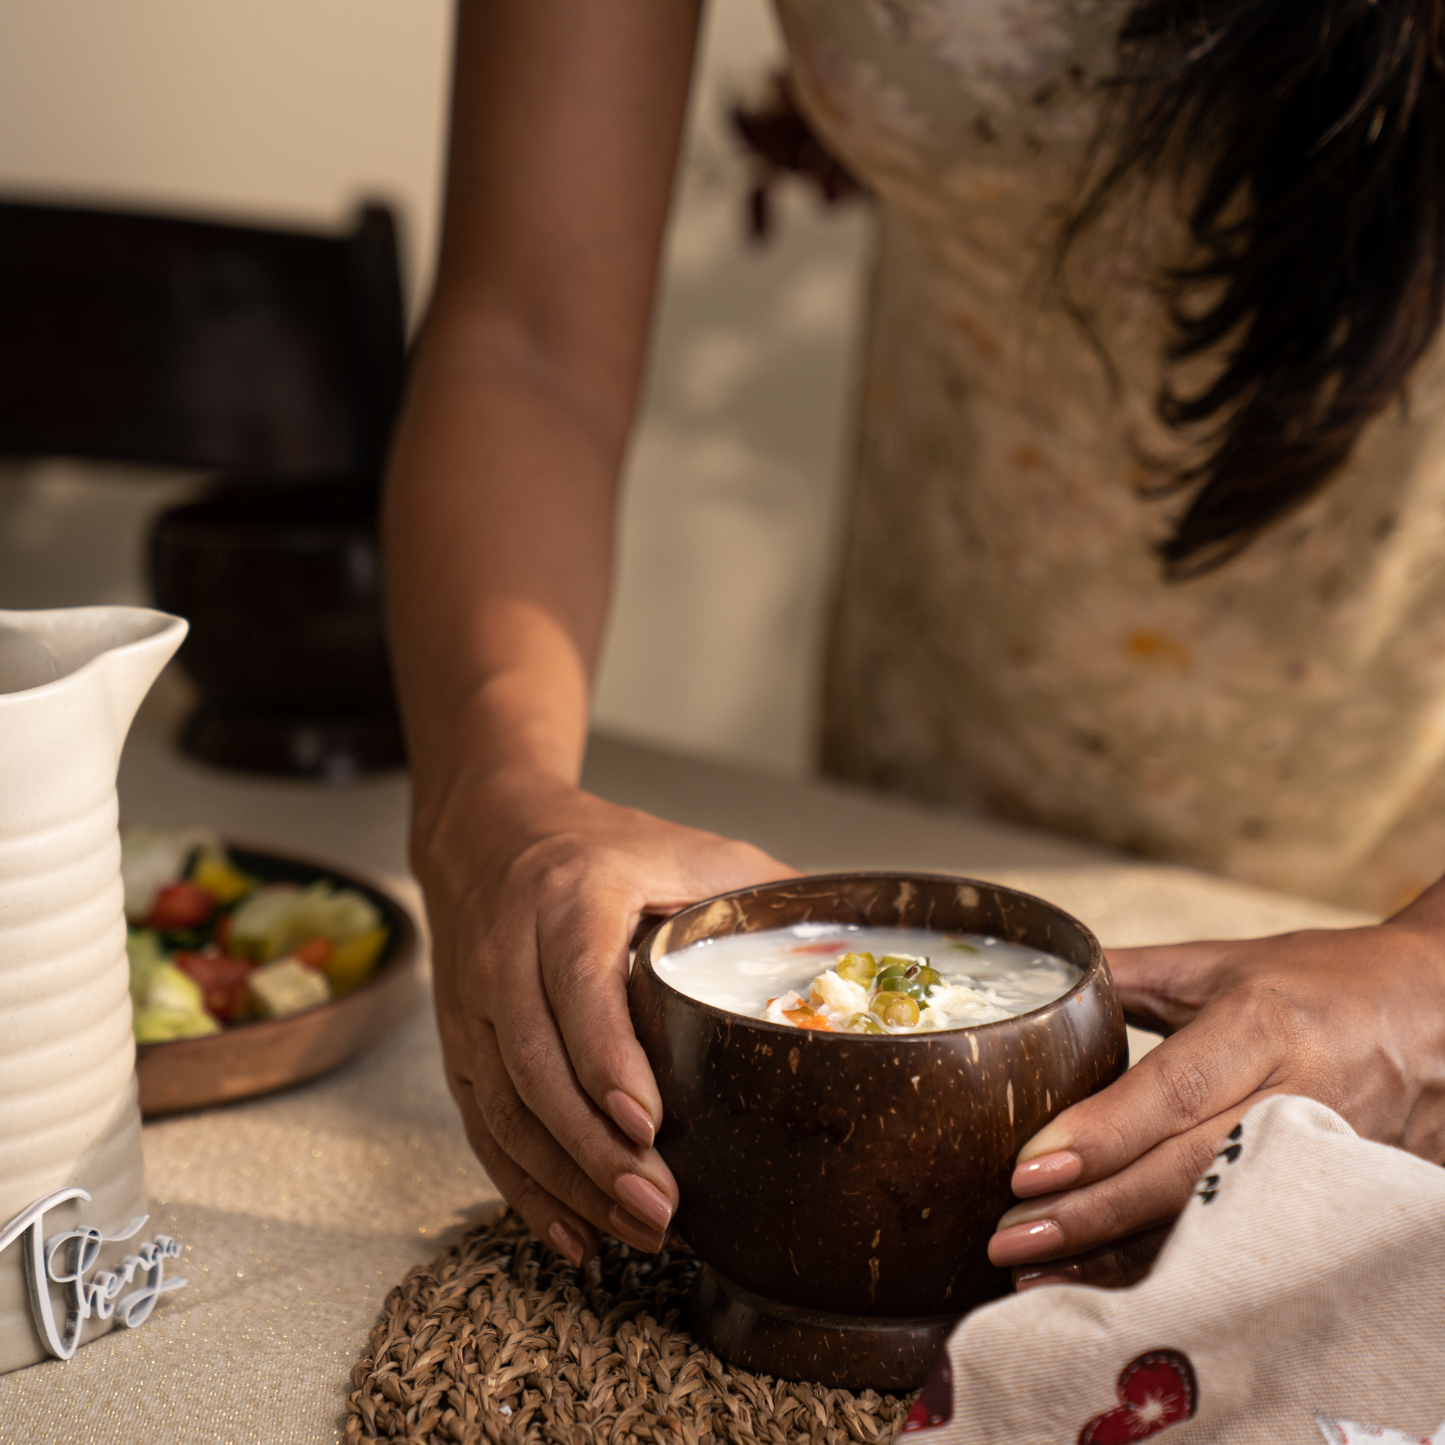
<point>275,359</point>
<point>161,340</point>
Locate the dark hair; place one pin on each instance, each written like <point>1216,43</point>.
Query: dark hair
<point>780,142</point>
<point>1312,139</point>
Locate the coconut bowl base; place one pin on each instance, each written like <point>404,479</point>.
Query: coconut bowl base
<point>851,1352</point>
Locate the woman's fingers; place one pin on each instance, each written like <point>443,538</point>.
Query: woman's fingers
<point>1110,1266</point>
<point>531,943</point>
<point>1127,1159</point>
<point>583,940</point>
<point>539,1115</point>
<point>582,1028</point>
<point>546,1216</point>
<point>1346,1016</point>
<point>499,1032</point>
<point>1226,1054</point>
<point>583,936</point>
<point>1144,1196</point>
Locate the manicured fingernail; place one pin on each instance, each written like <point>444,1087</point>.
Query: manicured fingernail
<point>633,1231</point>
<point>1047,1173</point>
<point>645,1200</point>
<point>1040,1274</point>
<point>1024,1243</point>
<point>567,1244</point>
<point>1051,1139</point>
<point>1028,1212</point>
<point>630,1117</point>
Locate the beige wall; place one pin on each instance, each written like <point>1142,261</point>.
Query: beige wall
<point>734,487</point>
<point>291,111</point>
<point>284,110</point>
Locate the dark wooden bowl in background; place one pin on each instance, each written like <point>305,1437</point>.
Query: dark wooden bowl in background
<point>281,583</point>
<point>841,1188</point>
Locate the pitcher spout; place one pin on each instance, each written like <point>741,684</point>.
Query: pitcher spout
<point>131,667</point>
<point>126,646</point>
<point>71,680</point>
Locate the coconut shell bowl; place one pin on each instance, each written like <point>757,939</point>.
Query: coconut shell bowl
<point>841,1189</point>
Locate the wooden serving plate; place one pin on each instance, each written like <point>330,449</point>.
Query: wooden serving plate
<point>257,1058</point>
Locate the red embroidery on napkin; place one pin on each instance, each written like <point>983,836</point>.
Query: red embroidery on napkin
<point>934,1405</point>
<point>1155,1391</point>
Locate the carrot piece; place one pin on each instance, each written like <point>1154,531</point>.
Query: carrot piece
<point>804,1017</point>
<point>316,952</point>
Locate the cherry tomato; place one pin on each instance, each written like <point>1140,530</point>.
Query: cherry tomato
<point>222,981</point>
<point>182,905</point>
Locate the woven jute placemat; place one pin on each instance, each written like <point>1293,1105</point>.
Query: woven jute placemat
<point>500,1339</point>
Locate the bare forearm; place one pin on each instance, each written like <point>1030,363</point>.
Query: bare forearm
<point>500,496</point>
<point>499,537</point>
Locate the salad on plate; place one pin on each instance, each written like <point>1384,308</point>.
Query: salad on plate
<point>212,947</point>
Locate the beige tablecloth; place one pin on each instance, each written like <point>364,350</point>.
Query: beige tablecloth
<point>299,1211</point>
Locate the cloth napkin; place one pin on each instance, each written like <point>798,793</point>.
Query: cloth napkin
<point>1300,1298</point>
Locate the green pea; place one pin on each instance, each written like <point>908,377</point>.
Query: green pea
<point>863,1024</point>
<point>915,979</point>
<point>856,968</point>
<point>896,1009</point>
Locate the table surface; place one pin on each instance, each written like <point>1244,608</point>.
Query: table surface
<point>300,1211</point>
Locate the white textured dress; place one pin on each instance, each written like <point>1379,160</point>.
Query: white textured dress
<point>1003,633</point>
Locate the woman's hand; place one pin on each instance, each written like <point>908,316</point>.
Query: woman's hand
<point>1352,1017</point>
<point>532,903</point>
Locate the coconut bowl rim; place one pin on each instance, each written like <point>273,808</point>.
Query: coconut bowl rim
<point>642,959</point>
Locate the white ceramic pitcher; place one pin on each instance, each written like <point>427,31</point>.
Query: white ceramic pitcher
<point>70,683</point>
